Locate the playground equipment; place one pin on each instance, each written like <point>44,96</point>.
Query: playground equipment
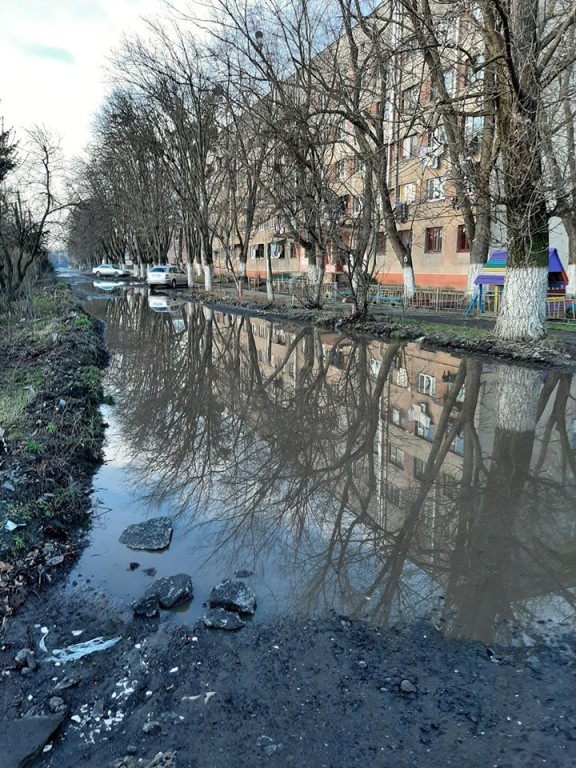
<point>492,281</point>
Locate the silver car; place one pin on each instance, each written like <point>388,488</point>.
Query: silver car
<point>166,275</point>
<point>110,270</point>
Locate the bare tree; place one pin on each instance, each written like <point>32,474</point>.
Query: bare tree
<point>28,207</point>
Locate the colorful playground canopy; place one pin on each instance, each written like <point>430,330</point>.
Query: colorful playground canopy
<point>494,271</point>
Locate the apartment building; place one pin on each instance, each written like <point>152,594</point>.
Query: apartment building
<point>420,182</point>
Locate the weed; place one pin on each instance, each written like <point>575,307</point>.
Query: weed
<point>82,321</point>
<point>33,447</point>
<point>51,428</point>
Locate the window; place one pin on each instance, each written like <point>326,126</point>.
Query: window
<point>396,456</point>
<point>457,444</point>
<point>474,125</point>
<point>425,429</point>
<point>357,205</point>
<point>410,98</point>
<point>341,169</point>
<point>426,384</point>
<point>358,165</point>
<point>400,377</point>
<point>408,147</point>
<point>433,240</point>
<point>419,467</point>
<point>393,494</point>
<point>475,71</point>
<point>398,417</point>
<point>261,332</point>
<point>407,193</point>
<point>462,242</point>
<point>435,189</point>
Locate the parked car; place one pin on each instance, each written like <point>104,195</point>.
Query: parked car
<point>110,270</point>
<point>166,275</point>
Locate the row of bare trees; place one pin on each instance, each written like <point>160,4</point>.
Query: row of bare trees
<point>311,114</point>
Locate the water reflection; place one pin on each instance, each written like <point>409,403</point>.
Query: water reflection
<point>379,480</point>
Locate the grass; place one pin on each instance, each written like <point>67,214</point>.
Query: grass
<point>447,332</point>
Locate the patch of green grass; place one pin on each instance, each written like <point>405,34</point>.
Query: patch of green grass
<point>51,428</point>
<point>82,321</point>
<point>32,446</point>
<point>568,327</point>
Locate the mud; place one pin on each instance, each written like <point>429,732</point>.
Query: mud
<point>290,692</point>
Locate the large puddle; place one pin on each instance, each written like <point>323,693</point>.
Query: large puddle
<point>377,480</point>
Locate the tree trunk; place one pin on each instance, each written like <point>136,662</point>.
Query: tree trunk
<point>269,284</point>
<point>190,273</point>
<point>522,315</point>
<point>523,312</point>
<point>208,277</point>
<point>408,280</point>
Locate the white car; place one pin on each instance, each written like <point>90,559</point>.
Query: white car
<point>166,275</point>
<point>110,270</point>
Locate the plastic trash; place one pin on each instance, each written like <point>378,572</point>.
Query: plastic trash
<point>79,650</point>
<point>11,526</point>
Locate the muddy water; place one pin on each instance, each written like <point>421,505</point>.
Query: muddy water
<point>377,480</point>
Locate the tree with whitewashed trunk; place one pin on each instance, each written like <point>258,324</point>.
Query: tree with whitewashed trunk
<point>463,112</point>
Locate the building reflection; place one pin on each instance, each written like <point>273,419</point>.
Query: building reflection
<point>388,480</point>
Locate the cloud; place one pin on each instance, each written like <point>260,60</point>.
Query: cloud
<point>40,51</point>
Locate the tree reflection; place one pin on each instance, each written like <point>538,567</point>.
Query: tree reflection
<point>377,477</point>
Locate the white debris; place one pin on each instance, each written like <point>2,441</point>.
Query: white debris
<point>77,632</point>
<point>174,669</point>
<point>42,644</point>
<point>79,650</point>
<point>208,696</point>
<point>10,526</point>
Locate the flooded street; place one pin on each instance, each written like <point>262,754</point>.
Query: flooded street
<point>404,516</point>
<point>375,480</point>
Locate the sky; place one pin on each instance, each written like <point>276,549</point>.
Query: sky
<point>53,60</point>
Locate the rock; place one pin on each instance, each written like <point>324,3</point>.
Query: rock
<point>57,705</point>
<point>22,740</point>
<point>162,760</point>
<point>131,749</point>
<point>218,618</point>
<point>151,534</point>
<point>234,596</point>
<point>243,574</point>
<point>151,726</point>
<point>67,682</point>
<point>133,566</point>
<point>407,687</point>
<point>172,590</point>
<point>147,606</point>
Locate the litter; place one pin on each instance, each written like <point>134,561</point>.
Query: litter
<point>10,526</point>
<point>79,650</point>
